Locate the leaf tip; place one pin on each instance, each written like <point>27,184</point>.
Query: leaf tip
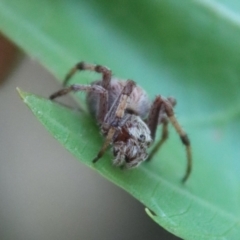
<point>21,93</point>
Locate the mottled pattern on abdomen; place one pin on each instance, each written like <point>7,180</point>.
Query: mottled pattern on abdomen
<point>139,100</point>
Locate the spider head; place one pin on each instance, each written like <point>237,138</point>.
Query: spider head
<point>131,143</point>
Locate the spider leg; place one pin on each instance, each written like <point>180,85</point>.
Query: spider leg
<point>163,138</point>
<point>114,116</point>
<point>153,117</point>
<point>81,66</point>
<point>107,141</point>
<point>87,88</point>
<point>158,116</point>
<point>105,82</point>
<point>183,136</point>
<point>161,103</point>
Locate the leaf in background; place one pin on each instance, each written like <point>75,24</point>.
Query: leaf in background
<point>188,49</point>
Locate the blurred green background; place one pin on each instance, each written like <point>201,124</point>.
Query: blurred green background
<point>187,49</point>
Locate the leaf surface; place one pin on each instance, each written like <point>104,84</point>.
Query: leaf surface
<point>187,49</point>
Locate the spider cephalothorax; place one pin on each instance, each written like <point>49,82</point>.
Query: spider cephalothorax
<point>126,117</point>
<point>131,142</point>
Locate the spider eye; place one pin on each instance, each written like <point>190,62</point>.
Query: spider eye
<point>142,138</point>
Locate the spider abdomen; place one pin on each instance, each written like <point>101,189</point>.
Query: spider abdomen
<point>139,102</point>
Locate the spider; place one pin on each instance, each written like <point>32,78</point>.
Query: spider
<point>126,117</point>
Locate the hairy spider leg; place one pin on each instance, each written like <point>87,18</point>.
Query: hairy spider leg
<point>164,137</point>
<point>158,103</point>
<point>81,66</point>
<point>156,112</point>
<point>103,108</point>
<point>105,82</point>
<point>158,116</point>
<point>115,115</point>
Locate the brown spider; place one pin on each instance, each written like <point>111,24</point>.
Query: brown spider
<point>126,117</point>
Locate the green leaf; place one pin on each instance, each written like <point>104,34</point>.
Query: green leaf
<point>188,49</point>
